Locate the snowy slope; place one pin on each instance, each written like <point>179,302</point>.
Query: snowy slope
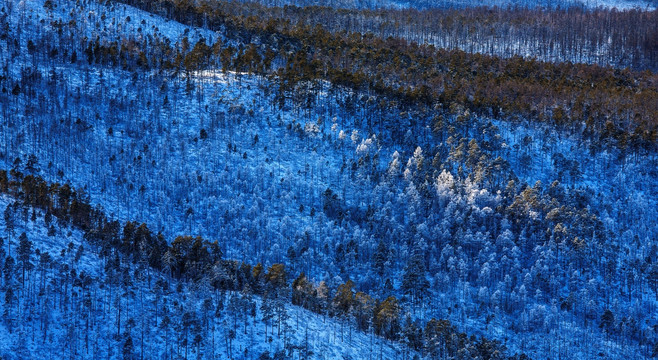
<point>256,182</point>
<point>28,337</point>
<point>429,4</point>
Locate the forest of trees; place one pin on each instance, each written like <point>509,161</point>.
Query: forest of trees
<point>402,190</point>
<point>616,105</point>
<point>186,260</point>
<point>571,34</point>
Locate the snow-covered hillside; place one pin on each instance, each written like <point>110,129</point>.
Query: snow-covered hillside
<point>73,304</point>
<point>430,4</point>
<point>617,4</point>
<point>443,211</point>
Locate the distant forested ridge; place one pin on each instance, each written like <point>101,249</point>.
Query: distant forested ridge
<point>616,105</point>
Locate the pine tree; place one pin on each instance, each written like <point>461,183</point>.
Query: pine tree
<point>128,349</point>
<point>24,253</point>
<point>387,318</point>
<point>267,312</point>
<point>380,257</point>
<point>414,280</point>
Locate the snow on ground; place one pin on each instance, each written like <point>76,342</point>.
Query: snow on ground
<point>143,159</point>
<point>64,238</point>
<point>325,338</point>
<point>110,21</point>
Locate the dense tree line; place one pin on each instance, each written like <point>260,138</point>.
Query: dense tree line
<point>575,34</point>
<point>616,105</point>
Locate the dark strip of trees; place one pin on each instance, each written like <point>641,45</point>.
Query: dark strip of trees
<point>617,107</point>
